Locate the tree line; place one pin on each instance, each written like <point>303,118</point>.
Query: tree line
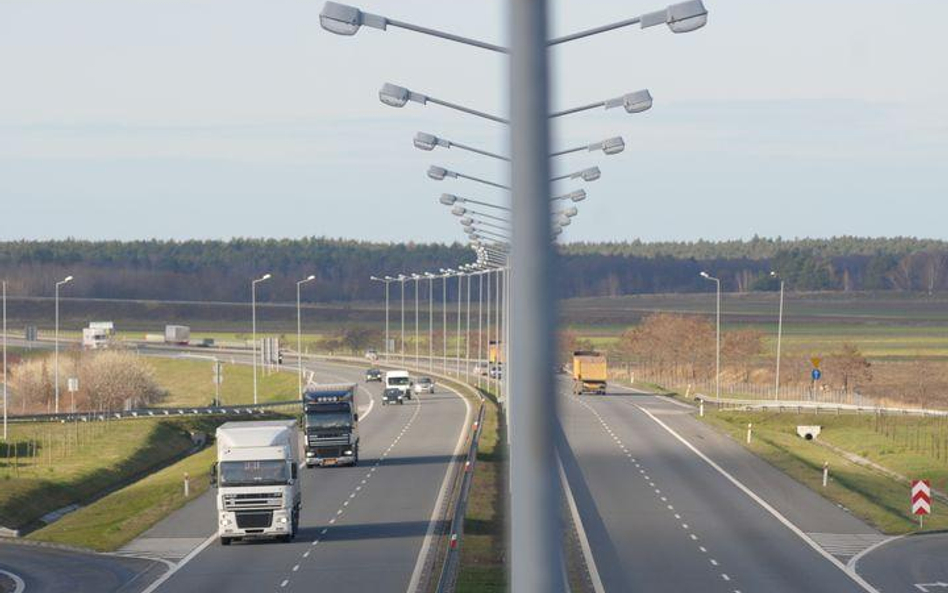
<point>221,270</point>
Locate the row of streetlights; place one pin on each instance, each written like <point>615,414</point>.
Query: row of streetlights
<point>536,563</point>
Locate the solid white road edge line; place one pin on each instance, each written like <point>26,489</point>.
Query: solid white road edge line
<point>18,585</point>
<point>426,545</point>
<point>765,505</point>
<point>581,531</point>
<point>851,565</point>
<point>670,400</point>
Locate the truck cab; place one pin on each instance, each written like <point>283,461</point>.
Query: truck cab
<point>331,424</point>
<point>399,380</point>
<point>256,476</point>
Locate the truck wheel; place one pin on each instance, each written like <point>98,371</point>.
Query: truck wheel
<point>356,459</point>
<point>225,541</point>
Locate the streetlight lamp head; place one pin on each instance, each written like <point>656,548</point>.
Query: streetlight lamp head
<point>467,221</point>
<point>67,279</point>
<point>571,211</point>
<point>424,141</point>
<point>577,196</point>
<point>686,16</point>
<point>310,277</point>
<point>637,102</point>
<point>447,199</point>
<point>590,174</point>
<point>557,232</point>
<point>343,19</point>
<point>705,275</point>
<point>437,173</point>
<point>393,95</point>
<point>773,274</point>
<point>563,221</point>
<point>459,211</point>
<point>469,230</point>
<point>613,145</point>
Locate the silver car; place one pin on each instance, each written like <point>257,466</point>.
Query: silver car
<point>424,385</point>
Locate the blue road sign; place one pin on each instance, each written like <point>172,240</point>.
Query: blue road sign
<point>816,374</point>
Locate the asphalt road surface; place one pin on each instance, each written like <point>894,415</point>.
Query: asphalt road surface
<point>918,563</point>
<point>363,528</point>
<point>52,570</point>
<point>660,517</point>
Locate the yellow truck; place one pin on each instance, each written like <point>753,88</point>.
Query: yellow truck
<point>589,372</point>
<point>495,352</point>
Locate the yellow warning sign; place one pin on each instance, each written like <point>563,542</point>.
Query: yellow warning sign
<point>816,360</point>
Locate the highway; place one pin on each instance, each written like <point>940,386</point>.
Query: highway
<point>51,570</point>
<point>668,504</point>
<point>363,528</point>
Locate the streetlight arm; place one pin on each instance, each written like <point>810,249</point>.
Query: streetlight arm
<point>444,35</point>
<point>462,109</point>
<point>479,151</point>
<point>595,31</point>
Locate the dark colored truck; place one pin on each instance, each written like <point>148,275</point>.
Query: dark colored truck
<point>331,425</point>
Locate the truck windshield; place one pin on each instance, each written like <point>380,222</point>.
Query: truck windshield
<point>328,419</point>
<point>398,380</point>
<point>254,473</point>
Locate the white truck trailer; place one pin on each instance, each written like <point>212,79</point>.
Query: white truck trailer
<point>256,475</point>
<point>177,334</point>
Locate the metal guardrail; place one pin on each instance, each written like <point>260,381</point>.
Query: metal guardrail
<point>449,569</point>
<point>248,409</point>
<point>801,406</point>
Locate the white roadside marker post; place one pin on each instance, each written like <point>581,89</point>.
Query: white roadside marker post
<point>825,473</point>
<point>187,485</point>
<point>749,427</point>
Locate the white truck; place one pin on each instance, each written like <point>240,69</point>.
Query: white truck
<point>177,334</point>
<point>256,476</point>
<point>399,380</point>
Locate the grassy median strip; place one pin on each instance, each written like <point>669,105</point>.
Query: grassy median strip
<point>913,447</point>
<point>483,550</point>
<point>120,517</point>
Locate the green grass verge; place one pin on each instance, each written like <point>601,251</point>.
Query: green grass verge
<point>48,466</point>
<point>188,383</point>
<point>483,551</point>
<point>120,517</point>
<point>915,448</point>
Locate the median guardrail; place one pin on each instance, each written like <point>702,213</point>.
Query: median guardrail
<point>449,569</point>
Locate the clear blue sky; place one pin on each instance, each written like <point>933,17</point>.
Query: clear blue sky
<point>212,119</point>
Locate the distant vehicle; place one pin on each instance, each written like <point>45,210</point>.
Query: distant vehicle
<point>496,371</point>
<point>480,369</point>
<point>399,380</point>
<point>206,343</point>
<point>373,375</point>
<point>98,335</point>
<point>424,385</point>
<point>256,476</point>
<point>589,372</point>
<point>393,395</point>
<point>495,352</point>
<point>371,354</point>
<point>331,422</point>
<point>177,334</point>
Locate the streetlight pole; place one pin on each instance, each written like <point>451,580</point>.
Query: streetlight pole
<point>401,280</point>
<point>458,334</point>
<point>467,338</point>
<point>386,280</point>
<point>62,282</point>
<point>535,526</point>
<point>417,279</point>
<point>480,318</point>
<point>299,330</point>
<point>253,315</point>
<point>5,401</point>
<point>430,321</point>
<point>779,336</point>
<point>444,318</point>
<point>717,347</point>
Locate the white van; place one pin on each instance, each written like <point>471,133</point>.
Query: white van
<point>399,380</point>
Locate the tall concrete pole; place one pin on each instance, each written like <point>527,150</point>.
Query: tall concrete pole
<point>5,400</point>
<point>779,336</point>
<point>430,323</point>
<point>535,525</point>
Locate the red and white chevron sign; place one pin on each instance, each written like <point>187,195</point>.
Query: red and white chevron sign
<point>921,497</point>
